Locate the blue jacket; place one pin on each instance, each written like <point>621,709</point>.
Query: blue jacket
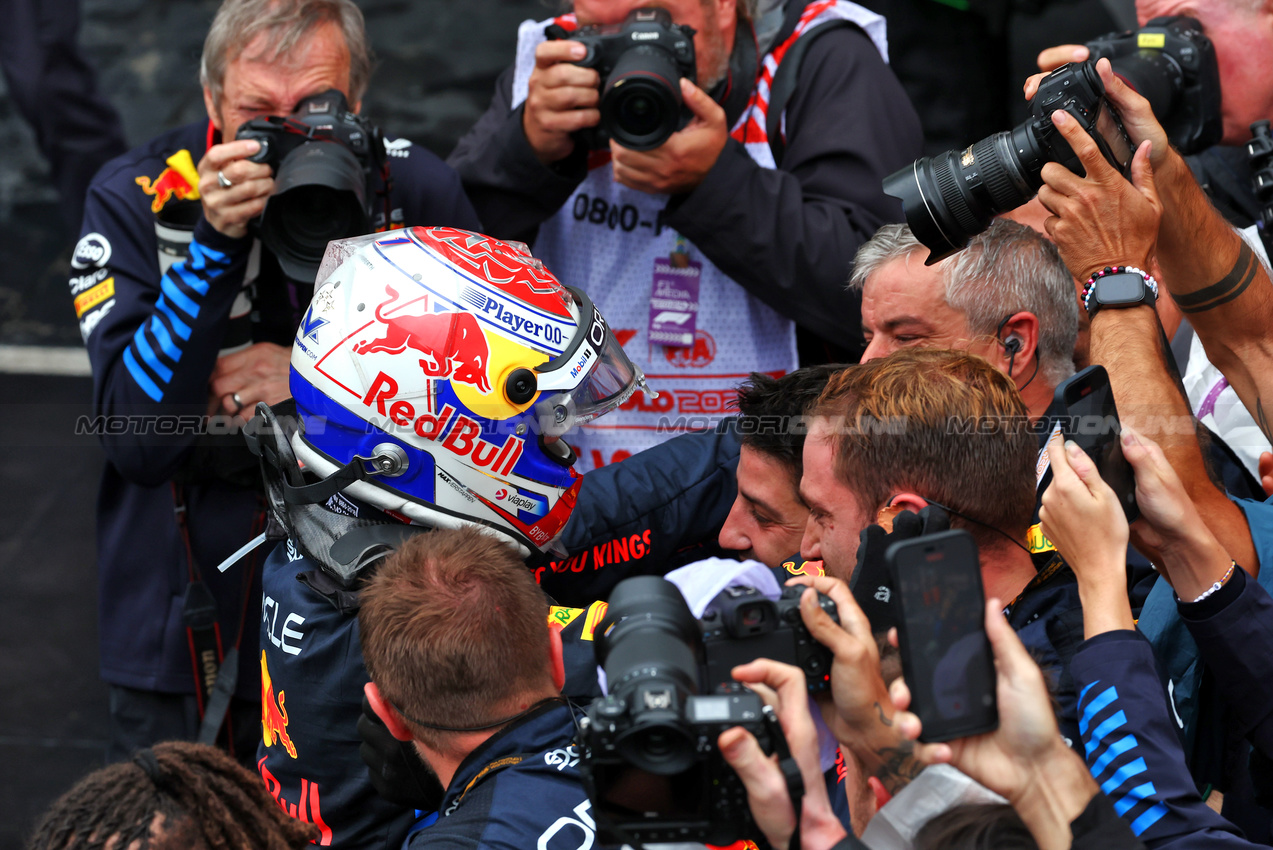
<point>153,340</point>
<point>520,789</point>
<point>1133,749</point>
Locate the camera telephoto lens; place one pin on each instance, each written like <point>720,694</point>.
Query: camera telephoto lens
<point>950,198</point>
<point>641,99</point>
<point>319,196</point>
<point>647,644</point>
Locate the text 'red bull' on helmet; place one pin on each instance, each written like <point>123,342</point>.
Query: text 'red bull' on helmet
<point>433,371</point>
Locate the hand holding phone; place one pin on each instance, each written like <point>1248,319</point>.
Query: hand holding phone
<point>946,656</point>
<point>1091,420</point>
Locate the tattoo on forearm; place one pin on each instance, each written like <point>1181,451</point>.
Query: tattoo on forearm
<point>897,766</point>
<point>883,719</point>
<point>1227,289</point>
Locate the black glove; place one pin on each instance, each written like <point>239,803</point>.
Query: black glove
<point>397,771</point>
<point>871,584</point>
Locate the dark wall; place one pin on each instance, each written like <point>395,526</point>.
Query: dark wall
<point>438,63</point>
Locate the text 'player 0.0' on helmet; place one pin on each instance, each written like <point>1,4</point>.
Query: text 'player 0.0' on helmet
<point>443,366</point>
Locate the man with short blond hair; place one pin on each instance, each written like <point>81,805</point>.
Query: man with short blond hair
<point>184,314</point>
<point>937,427</point>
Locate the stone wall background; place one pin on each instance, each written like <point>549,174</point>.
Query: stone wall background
<point>438,61</point>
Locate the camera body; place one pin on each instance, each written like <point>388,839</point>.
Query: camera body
<point>1076,89</point>
<point>706,802</point>
<point>1173,65</point>
<point>323,157</point>
<point>640,62</point>
<point>649,760</point>
<point>742,624</point>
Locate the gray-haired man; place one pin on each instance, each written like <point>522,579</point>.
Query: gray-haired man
<point>185,314</point>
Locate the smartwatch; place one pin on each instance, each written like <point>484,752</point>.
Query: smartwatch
<point>1119,286</point>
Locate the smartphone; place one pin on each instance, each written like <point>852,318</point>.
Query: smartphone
<point>946,656</point>
<point>1091,420</point>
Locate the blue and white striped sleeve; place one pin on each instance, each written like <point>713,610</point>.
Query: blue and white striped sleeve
<point>1133,749</point>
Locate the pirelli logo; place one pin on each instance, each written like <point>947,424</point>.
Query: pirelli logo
<point>90,298</point>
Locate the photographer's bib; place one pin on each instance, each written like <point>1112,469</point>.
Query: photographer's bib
<point>695,332</point>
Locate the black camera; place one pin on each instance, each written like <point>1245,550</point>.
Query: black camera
<point>1172,65</point>
<point>324,158</point>
<point>742,624</point>
<point>950,198</point>
<point>649,760</point>
<point>641,62</point>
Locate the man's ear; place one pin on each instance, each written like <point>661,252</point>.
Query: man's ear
<point>1024,328</point>
<point>386,712</point>
<point>557,664</point>
<point>901,502</point>
<point>214,115</point>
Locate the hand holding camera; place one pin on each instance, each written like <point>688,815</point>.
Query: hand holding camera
<point>229,208</point>
<point>782,687</point>
<point>1101,219</point>
<point>630,87</point>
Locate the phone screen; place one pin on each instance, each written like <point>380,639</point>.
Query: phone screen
<point>1091,421</point>
<point>946,655</point>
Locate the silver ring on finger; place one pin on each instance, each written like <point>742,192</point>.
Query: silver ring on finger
<point>223,181</point>
<point>238,402</point>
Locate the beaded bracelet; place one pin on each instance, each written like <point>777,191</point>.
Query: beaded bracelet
<point>1091,282</point>
<point>1224,579</point>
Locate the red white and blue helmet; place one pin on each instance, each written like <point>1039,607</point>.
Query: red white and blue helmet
<point>434,362</point>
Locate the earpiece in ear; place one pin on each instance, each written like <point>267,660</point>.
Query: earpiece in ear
<point>1012,345</point>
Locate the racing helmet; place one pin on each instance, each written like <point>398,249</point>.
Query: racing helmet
<point>436,370</point>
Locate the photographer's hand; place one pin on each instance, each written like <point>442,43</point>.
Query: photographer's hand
<point>1054,57</point>
<point>561,99</point>
<point>859,713</point>
<point>1025,759</point>
<point>1082,516</point>
<point>1191,557</point>
<point>1100,220</point>
<point>257,373</point>
<point>230,209</point>
<point>783,687</point>
<point>682,162</point>
<point>1135,112</point>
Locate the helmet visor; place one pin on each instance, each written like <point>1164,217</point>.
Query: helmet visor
<point>590,378</point>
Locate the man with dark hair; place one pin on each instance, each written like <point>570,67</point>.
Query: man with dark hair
<point>930,427</point>
<point>767,519</point>
<point>462,664</point>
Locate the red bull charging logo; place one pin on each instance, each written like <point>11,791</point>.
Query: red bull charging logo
<point>453,344</point>
<point>179,180</point>
<point>273,714</point>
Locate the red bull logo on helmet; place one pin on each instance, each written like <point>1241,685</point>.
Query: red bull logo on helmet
<point>453,345</point>
<point>458,434</point>
<point>179,180</point>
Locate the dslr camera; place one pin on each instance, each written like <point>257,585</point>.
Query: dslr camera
<point>649,760</point>
<point>324,158</point>
<point>641,62</point>
<point>950,198</point>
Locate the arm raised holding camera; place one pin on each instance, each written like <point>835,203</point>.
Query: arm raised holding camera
<point>1103,220</point>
